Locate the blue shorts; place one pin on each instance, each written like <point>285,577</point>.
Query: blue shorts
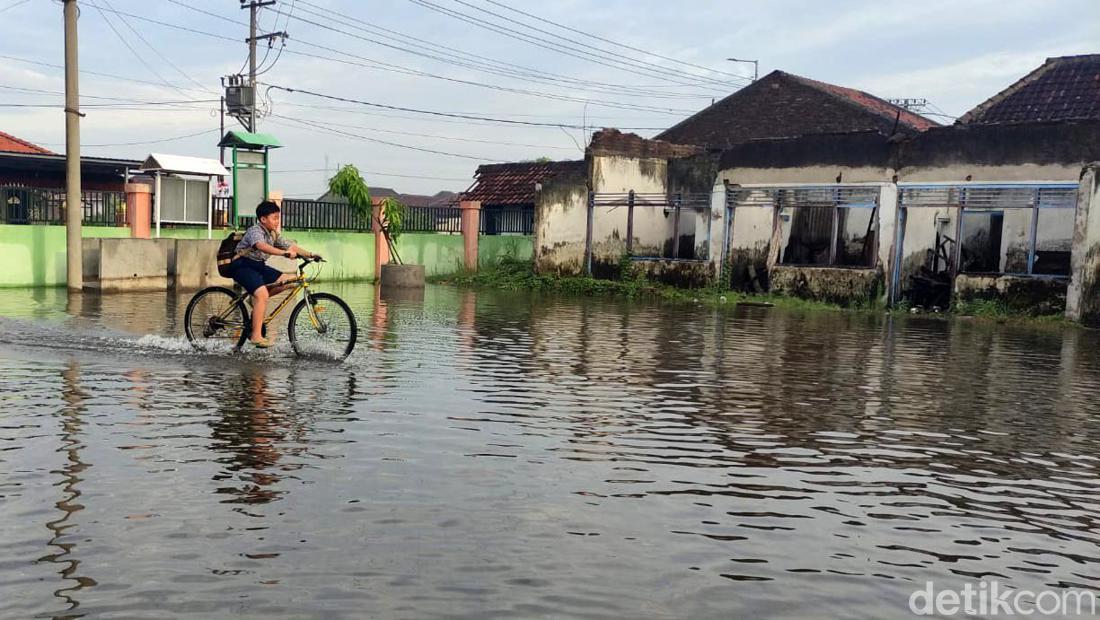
<point>252,274</point>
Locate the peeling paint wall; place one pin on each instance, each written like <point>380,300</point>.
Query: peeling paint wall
<point>834,285</point>
<point>561,221</point>
<point>1083,297</point>
<point>618,174</point>
<point>1029,295</point>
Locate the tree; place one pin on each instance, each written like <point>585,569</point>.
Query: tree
<point>347,182</point>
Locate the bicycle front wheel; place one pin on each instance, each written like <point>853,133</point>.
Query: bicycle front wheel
<point>215,322</point>
<point>329,330</point>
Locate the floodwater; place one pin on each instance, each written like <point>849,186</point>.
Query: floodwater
<point>489,454</point>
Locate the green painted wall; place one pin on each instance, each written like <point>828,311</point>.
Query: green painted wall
<point>492,248</point>
<point>441,255</point>
<point>349,255</point>
<point>35,255</point>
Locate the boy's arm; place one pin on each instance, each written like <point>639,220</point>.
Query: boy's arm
<point>267,248</point>
<point>302,252</point>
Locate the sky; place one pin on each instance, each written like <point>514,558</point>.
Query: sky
<point>150,71</point>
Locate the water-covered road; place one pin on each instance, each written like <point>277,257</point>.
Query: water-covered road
<point>489,454</point>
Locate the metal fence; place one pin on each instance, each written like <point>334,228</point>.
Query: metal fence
<point>33,205</point>
<point>507,221</point>
<point>316,215</point>
<point>676,244</point>
<point>432,219</point>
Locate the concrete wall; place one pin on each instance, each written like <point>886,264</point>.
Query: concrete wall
<point>619,174</point>
<point>440,254</point>
<point>1083,296</point>
<point>135,264</point>
<point>560,225</point>
<point>493,248</point>
<point>35,255</point>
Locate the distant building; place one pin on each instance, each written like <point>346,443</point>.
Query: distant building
<point>24,164</point>
<point>516,185</point>
<point>784,105</point>
<point>1066,88</point>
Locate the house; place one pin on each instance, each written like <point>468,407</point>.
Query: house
<point>509,192</point>
<point>439,199</point>
<point>783,105</point>
<point>1066,88</point>
<point>28,165</point>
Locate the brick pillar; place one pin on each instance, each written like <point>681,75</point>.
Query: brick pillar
<point>276,196</point>
<point>139,209</point>
<point>381,248</point>
<point>471,226</point>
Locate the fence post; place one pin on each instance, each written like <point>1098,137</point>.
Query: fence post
<point>381,247</point>
<point>676,227</point>
<point>471,227</point>
<point>139,209</point>
<point>588,233</point>
<point>630,223</point>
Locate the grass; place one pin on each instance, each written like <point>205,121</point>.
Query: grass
<point>517,275</point>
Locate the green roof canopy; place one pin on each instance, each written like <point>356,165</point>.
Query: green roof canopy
<point>248,140</point>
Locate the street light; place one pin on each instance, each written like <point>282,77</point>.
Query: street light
<point>755,66</point>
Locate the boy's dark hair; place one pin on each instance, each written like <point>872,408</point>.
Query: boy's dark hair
<point>266,208</point>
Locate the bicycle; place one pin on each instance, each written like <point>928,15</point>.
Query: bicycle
<point>217,318</point>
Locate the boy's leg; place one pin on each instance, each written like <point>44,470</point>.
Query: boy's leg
<point>259,311</point>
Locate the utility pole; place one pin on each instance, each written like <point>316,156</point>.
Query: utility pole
<point>74,210</point>
<point>253,7</point>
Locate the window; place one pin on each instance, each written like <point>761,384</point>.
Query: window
<point>828,226</point>
<point>1003,229</point>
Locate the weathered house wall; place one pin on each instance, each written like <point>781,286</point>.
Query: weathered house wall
<point>560,225</point>
<point>1083,296</point>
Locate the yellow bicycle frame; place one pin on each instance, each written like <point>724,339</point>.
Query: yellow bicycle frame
<point>303,285</point>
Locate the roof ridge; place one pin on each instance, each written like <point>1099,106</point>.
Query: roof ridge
<point>827,88</point>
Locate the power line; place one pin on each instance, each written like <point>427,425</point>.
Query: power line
<point>13,5</point>
<point>376,64</point>
<point>156,51</point>
<point>325,127</point>
<point>122,99</point>
<point>126,42</point>
<point>494,66</point>
<point>169,25</point>
<point>630,67</point>
<point>377,174</point>
<point>599,38</point>
<point>439,137</point>
<point>582,44</point>
<point>434,113</point>
<point>83,144</point>
<point>87,72</point>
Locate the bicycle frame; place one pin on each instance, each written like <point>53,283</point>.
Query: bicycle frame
<point>302,282</point>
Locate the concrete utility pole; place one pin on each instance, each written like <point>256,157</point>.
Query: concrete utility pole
<point>253,7</point>
<point>74,210</point>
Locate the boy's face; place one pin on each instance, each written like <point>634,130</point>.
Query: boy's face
<point>272,221</point>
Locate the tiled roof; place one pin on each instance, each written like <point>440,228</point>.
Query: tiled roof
<point>783,105</point>
<point>11,144</point>
<point>1064,88</point>
<point>512,184</point>
<point>872,104</point>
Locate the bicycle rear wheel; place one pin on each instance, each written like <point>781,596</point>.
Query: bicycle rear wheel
<point>332,335</point>
<point>215,321</point>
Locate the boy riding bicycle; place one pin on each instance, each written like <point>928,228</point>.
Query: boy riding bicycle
<point>250,268</point>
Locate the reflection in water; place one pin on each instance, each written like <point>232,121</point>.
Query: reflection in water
<point>252,427</point>
<point>73,394</point>
<point>499,454</point>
